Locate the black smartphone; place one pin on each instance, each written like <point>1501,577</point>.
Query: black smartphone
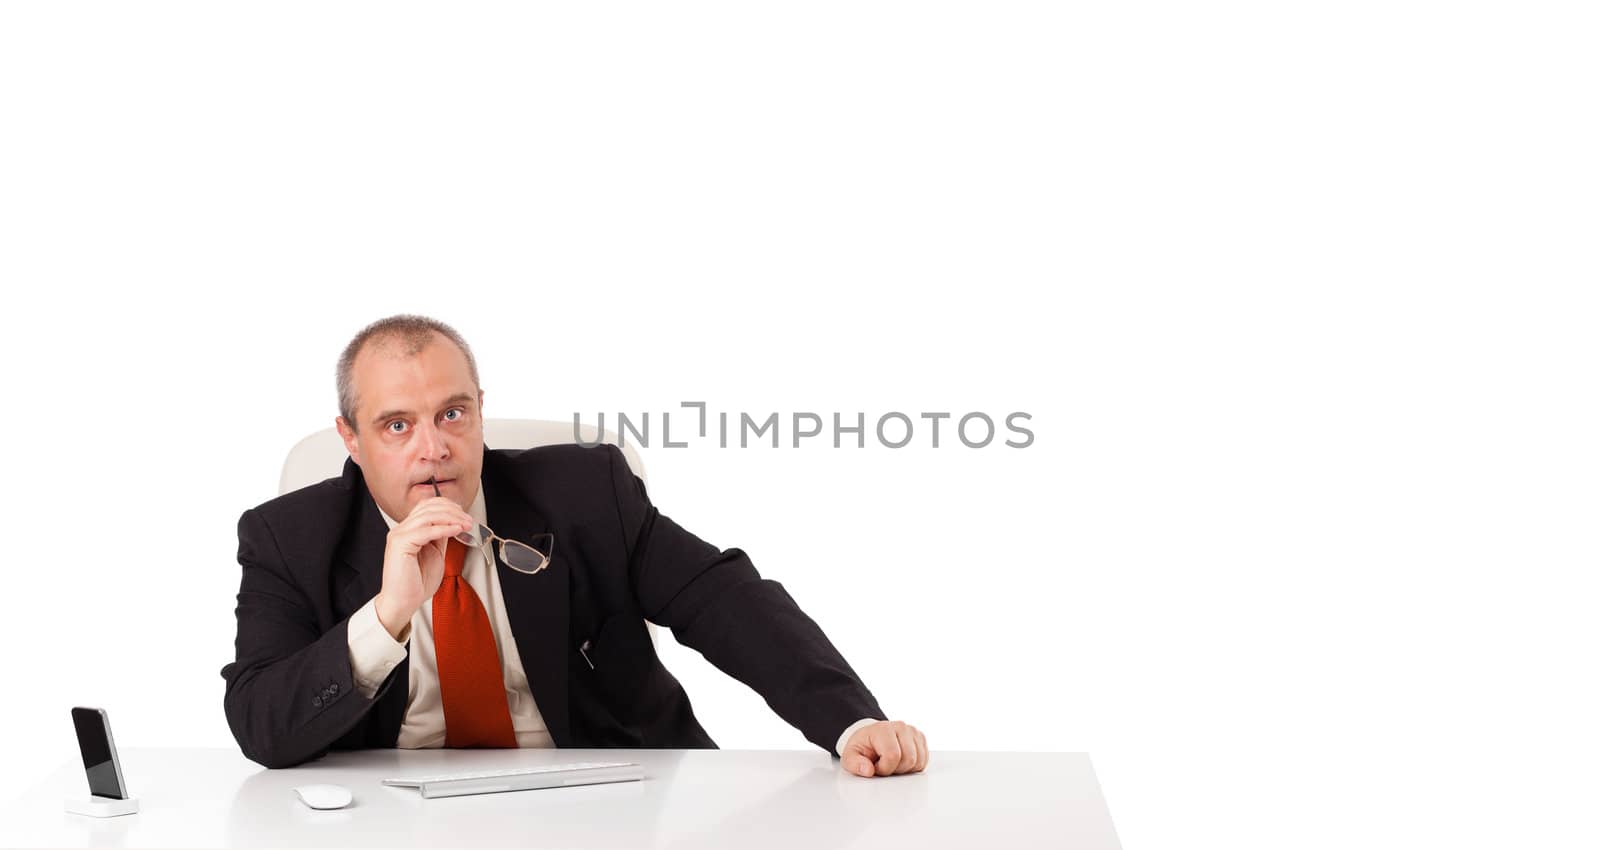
<point>99,753</point>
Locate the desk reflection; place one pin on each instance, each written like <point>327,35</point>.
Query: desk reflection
<point>822,806</point>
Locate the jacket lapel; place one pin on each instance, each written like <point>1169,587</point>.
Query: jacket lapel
<point>537,604</point>
<point>361,550</point>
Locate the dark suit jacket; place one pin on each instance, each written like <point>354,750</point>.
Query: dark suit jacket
<point>313,557</point>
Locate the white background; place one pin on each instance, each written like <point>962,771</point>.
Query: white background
<point>1300,299</point>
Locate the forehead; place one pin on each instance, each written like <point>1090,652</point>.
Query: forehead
<point>387,377</point>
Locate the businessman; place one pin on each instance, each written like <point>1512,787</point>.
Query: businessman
<point>378,609</point>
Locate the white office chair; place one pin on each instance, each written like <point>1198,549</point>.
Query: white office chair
<point>322,455</point>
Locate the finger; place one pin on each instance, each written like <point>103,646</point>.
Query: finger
<point>857,763</point>
<point>439,518</point>
<point>887,745</point>
<point>906,737</point>
<point>438,548</point>
<point>922,750</point>
<point>435,503</point>
<point>426,534</point>
<point>437,508</point>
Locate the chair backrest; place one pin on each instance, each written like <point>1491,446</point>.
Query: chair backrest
<point>321,455</point>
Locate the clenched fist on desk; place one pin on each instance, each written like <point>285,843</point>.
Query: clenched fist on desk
<point>884,749</point>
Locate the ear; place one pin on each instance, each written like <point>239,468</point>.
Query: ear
<point>352,443</point>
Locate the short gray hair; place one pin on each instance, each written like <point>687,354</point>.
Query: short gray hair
<point>410,334</point>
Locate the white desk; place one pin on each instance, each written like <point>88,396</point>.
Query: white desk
<point>689,798</point>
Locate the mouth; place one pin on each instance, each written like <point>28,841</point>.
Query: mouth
<point>429,484</point>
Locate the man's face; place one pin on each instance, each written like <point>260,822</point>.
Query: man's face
<point>419,416</point>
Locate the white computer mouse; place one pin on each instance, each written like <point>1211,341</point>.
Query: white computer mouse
<point>324,796</point>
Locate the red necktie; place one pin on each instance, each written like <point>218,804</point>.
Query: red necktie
<point>471,685</point>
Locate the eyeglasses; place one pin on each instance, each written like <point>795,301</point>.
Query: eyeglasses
<point>517,555</point>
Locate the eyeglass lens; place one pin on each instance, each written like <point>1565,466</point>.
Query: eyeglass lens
<point>528,559</point>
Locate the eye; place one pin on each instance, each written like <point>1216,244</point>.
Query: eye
<point>456,410</point>
<point>391,429</point>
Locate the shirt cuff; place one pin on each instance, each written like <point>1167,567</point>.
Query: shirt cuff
<point>373,651</point>
<point>838,749</point>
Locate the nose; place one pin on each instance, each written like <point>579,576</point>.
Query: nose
<point>430,444</point>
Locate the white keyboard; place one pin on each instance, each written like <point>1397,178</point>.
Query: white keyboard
<point>522,778</point>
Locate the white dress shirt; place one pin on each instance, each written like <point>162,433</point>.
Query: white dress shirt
<point>374,653</point>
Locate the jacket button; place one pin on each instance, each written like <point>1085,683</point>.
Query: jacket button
<point>334,687</point>
<point>316,701</point>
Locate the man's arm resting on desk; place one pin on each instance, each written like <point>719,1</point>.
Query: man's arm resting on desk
<point>290,691</point>
<point>749,627</point>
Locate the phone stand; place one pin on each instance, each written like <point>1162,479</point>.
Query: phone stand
<point>102,807</point>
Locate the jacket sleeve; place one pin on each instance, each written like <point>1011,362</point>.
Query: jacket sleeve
<point>290,692</point>
<point>716,603</point>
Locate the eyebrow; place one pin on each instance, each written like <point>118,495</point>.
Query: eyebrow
<point>390,414</point>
